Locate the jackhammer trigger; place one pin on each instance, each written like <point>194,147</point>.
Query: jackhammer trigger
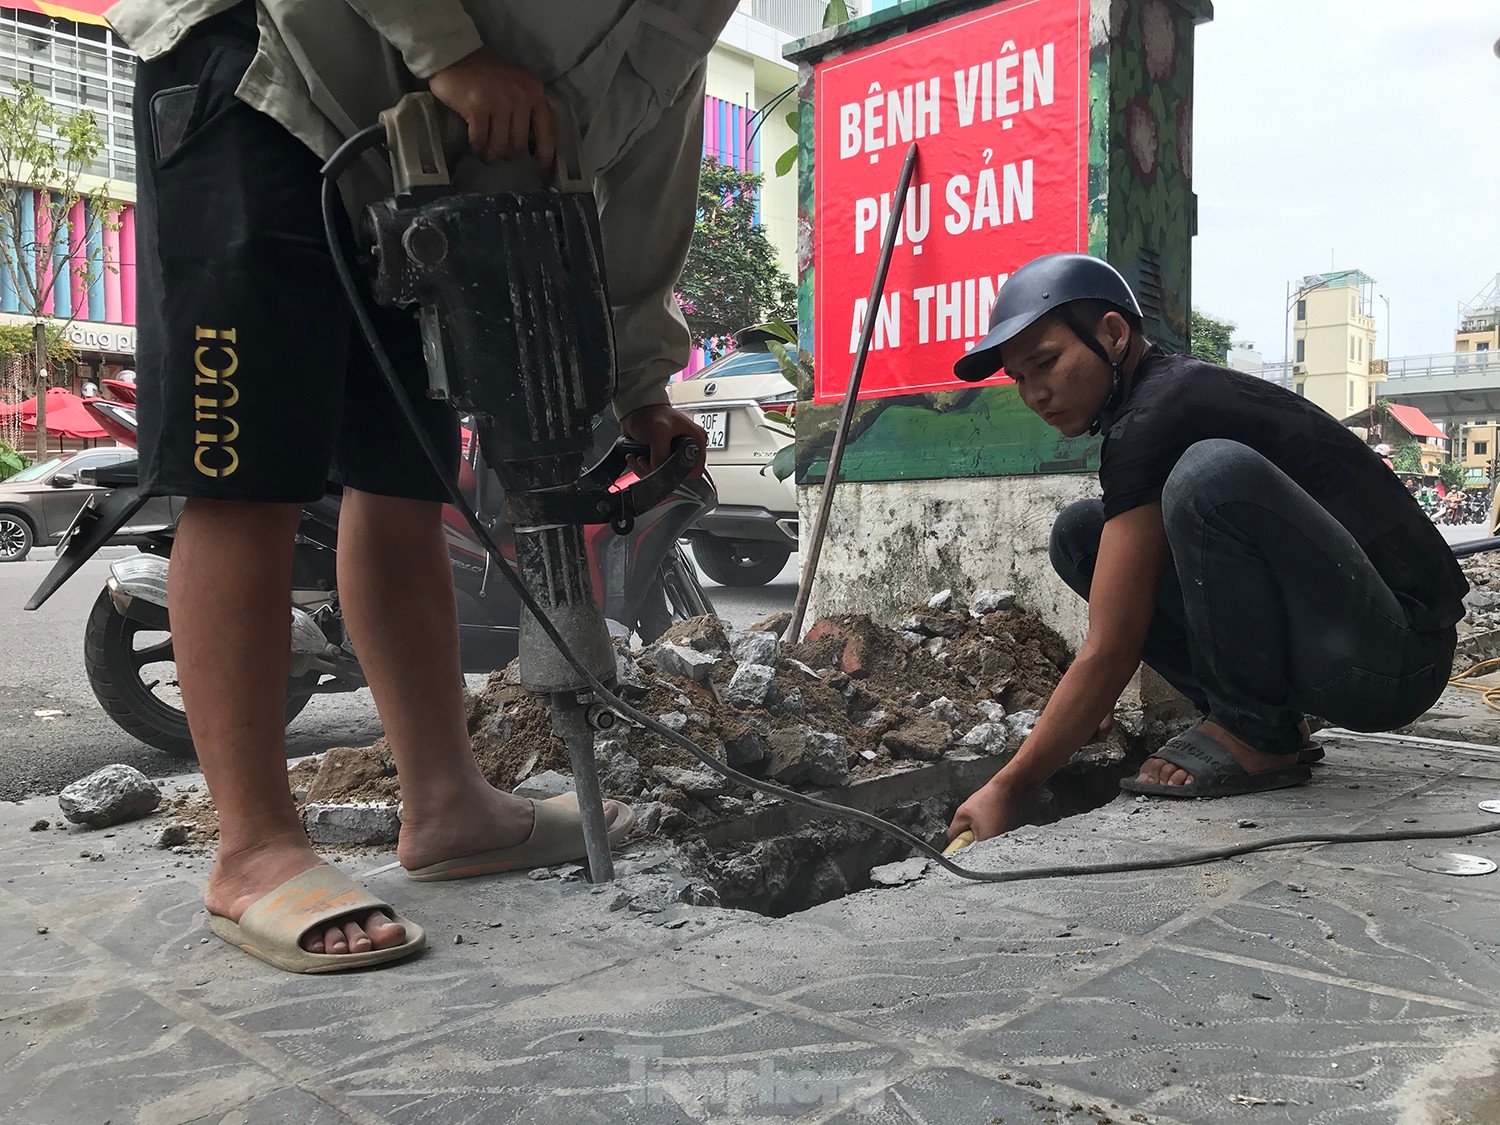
<point>591,501</point>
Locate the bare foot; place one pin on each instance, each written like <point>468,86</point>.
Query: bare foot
<point>1155,771</point>
<point>477,819</point>
<point>238,879</point>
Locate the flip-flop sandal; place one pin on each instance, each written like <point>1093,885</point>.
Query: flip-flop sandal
<point>556,837</point>
<point>273,926</point>
<point>1310,752</point>
<point>1215,771</point>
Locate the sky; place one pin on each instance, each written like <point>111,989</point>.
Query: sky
<point>1362,133</point>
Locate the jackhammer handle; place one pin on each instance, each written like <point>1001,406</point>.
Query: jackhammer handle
<point>651,489</point>
<point>416,110</point>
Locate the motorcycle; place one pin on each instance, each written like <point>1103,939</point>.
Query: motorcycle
<point>643,580</point>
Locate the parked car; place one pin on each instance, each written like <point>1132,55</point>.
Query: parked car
<point>39,504</point>
<point>739,399</point>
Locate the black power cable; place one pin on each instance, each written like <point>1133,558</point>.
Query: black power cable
<point>373,136</point>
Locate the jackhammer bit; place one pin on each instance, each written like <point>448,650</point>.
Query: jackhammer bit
<point>513,306</point>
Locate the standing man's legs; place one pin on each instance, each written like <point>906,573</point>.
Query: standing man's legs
<point>231,638</point>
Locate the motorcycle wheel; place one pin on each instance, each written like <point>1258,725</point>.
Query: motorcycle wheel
<point>677,596</point>
<point>131,669</point>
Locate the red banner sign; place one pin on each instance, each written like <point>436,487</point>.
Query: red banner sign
<point>997,102</point>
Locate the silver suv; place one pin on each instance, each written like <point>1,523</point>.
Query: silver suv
<point>745,403</point>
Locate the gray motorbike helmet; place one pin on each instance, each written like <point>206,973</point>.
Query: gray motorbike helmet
<point>1050,284</point>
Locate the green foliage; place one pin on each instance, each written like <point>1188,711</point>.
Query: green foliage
<point>16,340</point>
<point>732,278</point>
<point>11,460</point>
<point>1210,338</point>
<point>44,146</point>
<point>1453,474</point>
<point>1407,457</point>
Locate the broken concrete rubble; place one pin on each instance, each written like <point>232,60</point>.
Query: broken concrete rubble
<point>755,648</point>
<point>684,663</point>
<point>548,783</point>
<point>358,822</point>
<point>807,757</point>
<point>993,739</point>
<point>901,872</point>
<point>751,685</point>
<point>695,781</point>
<point>110,795</point>
<point>852,704</point>
<point>920,739</point>
<point>992,601</point>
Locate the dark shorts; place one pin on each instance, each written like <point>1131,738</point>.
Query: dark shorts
<point>253,380</point>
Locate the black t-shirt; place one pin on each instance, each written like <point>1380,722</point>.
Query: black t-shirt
<point>1175,401</point>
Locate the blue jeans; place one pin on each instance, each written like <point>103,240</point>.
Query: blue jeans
<point>1270,609</point>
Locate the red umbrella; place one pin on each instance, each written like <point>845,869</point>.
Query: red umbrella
<point>65,416</point>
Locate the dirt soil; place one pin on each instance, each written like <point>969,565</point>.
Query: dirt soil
<point>851,677</point>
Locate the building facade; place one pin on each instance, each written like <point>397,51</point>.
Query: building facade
<point>1333,341</point>
<point>1475,438</point>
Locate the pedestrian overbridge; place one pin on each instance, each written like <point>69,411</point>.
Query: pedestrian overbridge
<point>1446,384</point>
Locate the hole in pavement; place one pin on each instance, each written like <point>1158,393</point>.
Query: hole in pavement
<point>780,860</point>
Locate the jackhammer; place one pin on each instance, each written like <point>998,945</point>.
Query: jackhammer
<point>510,294</point>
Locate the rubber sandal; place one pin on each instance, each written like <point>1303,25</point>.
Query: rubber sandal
<point>1215,771</point>
<point>556,837</point>
<point>1310,752</point>
<point>273,926</point>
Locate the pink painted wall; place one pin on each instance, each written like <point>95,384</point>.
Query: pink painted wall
<point>112,309</point>
<point>127,265</point>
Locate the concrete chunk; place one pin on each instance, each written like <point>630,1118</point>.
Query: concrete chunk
<point>986,738</point>
<point>695,781</point>
<point>751,685</point>
<point>945,710</point>
<point>808,757</point>
<point>921,739</point>
<point>992,601</point>
<point>548,783</point>
<point>903,871</point>
<point>1022,723</point>
<point>684,663</point>
<point>746,749</point>
<point>108,796</point>
<point>755,648</point>
<point>990,710</point>
<point>359,822</point>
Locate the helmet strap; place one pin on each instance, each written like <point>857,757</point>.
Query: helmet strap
<point>1116,367</point>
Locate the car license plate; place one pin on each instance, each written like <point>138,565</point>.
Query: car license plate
<point>716,424</point>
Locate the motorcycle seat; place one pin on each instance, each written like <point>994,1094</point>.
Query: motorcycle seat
<point>124,475</point>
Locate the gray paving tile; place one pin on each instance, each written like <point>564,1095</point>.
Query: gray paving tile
<point>119,1055</point>
<point>37,969</point>
<point>1419,941</point>
<point>628,1045</point>
<point>930,978</point>
<point>949,1094</point>
<point>1183,1035</point>
<point>287,1106</point>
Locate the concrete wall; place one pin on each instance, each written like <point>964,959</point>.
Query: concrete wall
<point>891,544</point>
